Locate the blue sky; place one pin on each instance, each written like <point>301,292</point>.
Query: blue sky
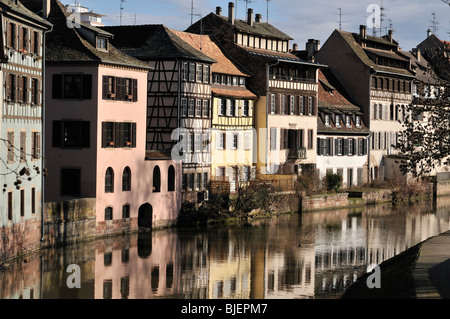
<point>302,20</point>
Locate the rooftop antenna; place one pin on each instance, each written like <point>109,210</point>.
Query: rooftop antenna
<point>434,24</point>
<point>446,1</point>
<point>382,15</point>
<point>268,11</point>
<point>340,18</point>
<point>121,9</point>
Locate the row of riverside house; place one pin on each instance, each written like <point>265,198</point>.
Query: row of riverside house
<point>139,119</point>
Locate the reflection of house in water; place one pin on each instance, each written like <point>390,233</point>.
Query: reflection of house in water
<point>140,267</point>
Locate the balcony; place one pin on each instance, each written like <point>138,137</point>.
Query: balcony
<point>297,154</point>
<point>292,79</point>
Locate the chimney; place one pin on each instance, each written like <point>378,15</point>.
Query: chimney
<point>391,39</point>
<point>416,52</point>
<point>250,17</point>
<point>429,33</point>
<point>258,18</point>
<point>231,12</point>
<point>45,8</point>
<point>312,47</point>
<point>219,11</point>
<point>295,47</point>
<point>363,31</point>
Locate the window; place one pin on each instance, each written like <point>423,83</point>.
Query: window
<point>198,181</point>
<point>108,215</point>
<point>185,71</point>
<point>338,120</point>
<point>171,179</point>
<point>199,73</point>
<point>33,200</point>
<point>206,73</point>
<point>23,89</point>
<point>118,135</point>
<point>235,141</point>
<point>71,134</point>
<point>184,107</point>
<point>302,105</point>
<point>102,43</point>
<point>220,141</point>
<point>71,182</point>
<point>35,145</point>
<point>23,146</point>
<point>126,211</point>
<point>191,181</point>
<point>10,205</point>
<point>245,108</point>
<point>327,119</point>
<point>222,107</point>
<point>339,147</point>
<point>35,44</point>
<point>205,142</point>
<point>205,108</point>
<point>192,72</point>
<point>35,89</point>
<point>184,182</point>
<point>22,202</point>
<point>120,89</point>
<point>292,104</point>
<point>348,121</point>
<point>11,87</point>
<point>358,121</point>
<point>198,143</point>
<point>351,147</point>
<point>72,86</point>
<point>10,153</point>
<point>283,104</point>
<point>247,141</point>
<point>198,109</point>
<point>310,139</point>
<point>273,139</point>
<point>109,180</point>
<point>156,180</point>
<point>272,104</point>
<point>311,105</point>
<point>191,107</point>
<point>126,179</point>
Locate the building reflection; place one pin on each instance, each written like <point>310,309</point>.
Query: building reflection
<point>314,255</point>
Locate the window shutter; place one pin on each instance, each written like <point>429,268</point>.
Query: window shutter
<point>135,90</point>
<point>8,87</point>
<point>20,29</point>
<point>20,89</point>
<point>57,134</point>
<point>8,34</point>
<point>105,87</point>
<point>133,134</point>
<point>57,86</point>
<point>87,87</point>
<point>85,134</point>
<point>282,143</point>
<point>336,147</point>
<point>277,104</point>
<point>31,41</point>
<point>104,134</point>
<point>319,148</point>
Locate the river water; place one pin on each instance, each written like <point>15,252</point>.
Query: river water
<point>300,256</point>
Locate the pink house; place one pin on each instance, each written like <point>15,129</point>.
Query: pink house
<point>95,141</point>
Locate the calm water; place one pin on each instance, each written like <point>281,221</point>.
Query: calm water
<point>313,255</point>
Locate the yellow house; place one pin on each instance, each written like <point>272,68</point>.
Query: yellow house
<point>232,137</point>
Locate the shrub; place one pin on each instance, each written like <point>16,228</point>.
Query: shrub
<point>333,182</point>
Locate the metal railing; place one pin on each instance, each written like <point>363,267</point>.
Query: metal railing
<point>300,153</point>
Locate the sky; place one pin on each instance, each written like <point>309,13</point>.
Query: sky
<point>301,20</point>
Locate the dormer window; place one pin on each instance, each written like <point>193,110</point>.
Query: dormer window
<point>348,121</point>
<point>102,43</point>
<point>338,120</point>
<point>327,119</point>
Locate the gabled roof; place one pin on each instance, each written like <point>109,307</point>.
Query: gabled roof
<point>354,41</point>
<point>424,73</point>
<point>67,43</point>
<point>153,42</point>
<point>207,46</point>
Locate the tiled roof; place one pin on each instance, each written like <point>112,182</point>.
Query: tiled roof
<point>238,92</point>
<point>205,44</point>
<point>353,40</point>
<point>258,28</point>
<point>423,71</point>
<point>333,98</point>
<point>150,42</point>
<point>67,44</point>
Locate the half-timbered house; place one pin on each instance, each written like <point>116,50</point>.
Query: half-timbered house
<point>232,132</point>
<point>179,97</point>
<point>21,116</point>
<point>379,78</point>
<point>286,111</point>
<point>342,137</point>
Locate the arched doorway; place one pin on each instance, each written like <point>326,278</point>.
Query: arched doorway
<point>145,215</point>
